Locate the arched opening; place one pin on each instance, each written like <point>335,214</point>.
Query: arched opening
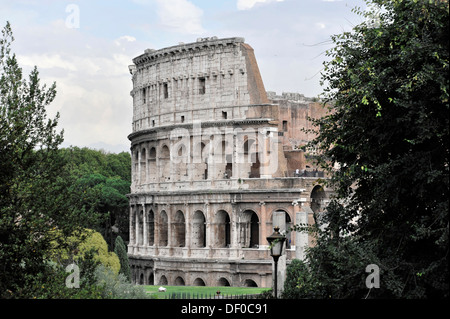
<point>162,280</point>
<point>317,198</point>
<point>179,281</point>
<point>152,153</point>
<point>205,155</point>
<point>249,229</point>
<point>254,231</point>
<point>141,279</point>
<point>227,155</point>
<point>286,227</point>
<point>199,230</point>
<point>136,165</point>
<point>180,160</point>
<point>143,172</point>
<point>163,229</point>
<point>250,283</point>
<point>179,230</point>
<point>133,226</point>
<point>165,163</point>
<point>223,229</point>
<point>251,156</point>
<point>199,282</point>
<point>151,279</point>
<point>151,228</point>
<point>141,228</point>
<point>152,173</point>
<point>223,282</point>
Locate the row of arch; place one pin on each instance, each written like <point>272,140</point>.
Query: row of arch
<point>201,160</point>
<point>141,279</point>
<point>157,229</point>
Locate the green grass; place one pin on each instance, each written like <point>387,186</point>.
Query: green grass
<point>194,290</point>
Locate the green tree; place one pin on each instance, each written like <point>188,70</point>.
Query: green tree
<point>107,178</point>
<point>388,132</point>
<point>111,203</point>
<point>35,190</point>
<point>95,242</point>
<point>116,286</point>
<point>121,252</point>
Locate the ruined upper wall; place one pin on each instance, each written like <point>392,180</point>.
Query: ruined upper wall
<point>179,84</point>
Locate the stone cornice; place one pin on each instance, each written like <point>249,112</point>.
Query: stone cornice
<point>153,55</point>
<point>205,124</point>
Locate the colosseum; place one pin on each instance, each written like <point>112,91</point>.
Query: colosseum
<point>217,162</point>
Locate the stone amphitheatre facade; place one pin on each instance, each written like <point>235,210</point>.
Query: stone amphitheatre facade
<point>217,162</point>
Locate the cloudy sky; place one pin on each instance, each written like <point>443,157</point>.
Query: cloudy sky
<point>87,45</point>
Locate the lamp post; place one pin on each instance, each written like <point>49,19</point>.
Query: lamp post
<point>276,242</point>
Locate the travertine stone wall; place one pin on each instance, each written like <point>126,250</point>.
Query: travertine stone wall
<point>212,164</point>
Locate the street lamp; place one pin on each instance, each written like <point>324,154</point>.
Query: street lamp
<point>276,242</point>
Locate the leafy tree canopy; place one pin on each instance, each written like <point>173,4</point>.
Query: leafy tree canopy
<point>36,191</point>
<point>77,246</point>
<point>387,88</point>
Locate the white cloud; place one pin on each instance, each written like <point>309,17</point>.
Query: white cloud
<point>248,4</point>
<point>320,25</point>
<point>124,38</point>
<point>46,61</point>
<point>180,16</point>
<point>92,80</point>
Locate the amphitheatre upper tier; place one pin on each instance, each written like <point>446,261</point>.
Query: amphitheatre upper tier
<point>208,80</point>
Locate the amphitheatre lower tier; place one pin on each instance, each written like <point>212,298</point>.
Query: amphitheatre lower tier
<point>217,237</point>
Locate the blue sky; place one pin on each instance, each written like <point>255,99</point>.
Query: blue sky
<point>86,47</point>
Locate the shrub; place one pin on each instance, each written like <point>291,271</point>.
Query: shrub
<point>116,286</point>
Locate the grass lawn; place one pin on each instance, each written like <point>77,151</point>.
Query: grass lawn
<point>194,290</point>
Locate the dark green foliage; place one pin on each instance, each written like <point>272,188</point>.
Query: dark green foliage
<point>85,161</point>
<point>388,130</point>
<point>105,177</point>
<point>295,274</point>
<point>36,193</point>
<point>121,251</point>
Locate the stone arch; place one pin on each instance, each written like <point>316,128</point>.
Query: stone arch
<point>222,229</point>
<point>223,282</point>
<point>204,159</point>
<point>163,229</point>
<point>288,224</point>
<point>165,163</point>
<point>152,153</point>
<point>180,159</point>
<point>251,156</point>
<point>163,280</point>
<point>179,229</point>
<point>179,281</point>
<point>249,229</point>
<point>151,278</point>
<point>151,228</point>
<point>141,228</point>
<point>141,279</point>
<point>200,153</point>
<point>317,199</point>
<point>152,172</point>
<point>133,226</point>
<point>227,156</point>
<point>136,164</point>
<point>199,230</point>
<point>250,283</point>
<point>199,282</point>
<point>143,168</point>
